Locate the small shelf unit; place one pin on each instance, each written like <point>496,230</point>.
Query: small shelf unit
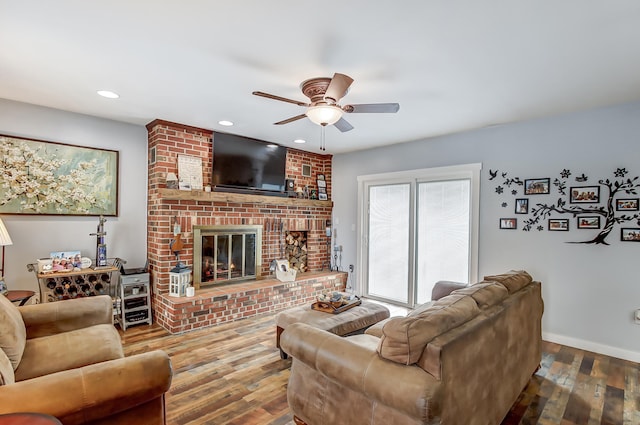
<point>135,296</point>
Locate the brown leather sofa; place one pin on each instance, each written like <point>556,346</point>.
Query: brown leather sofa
<point>65,359</point>
<point>460,360</point>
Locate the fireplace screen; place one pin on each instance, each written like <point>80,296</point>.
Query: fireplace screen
<point>225,254</point>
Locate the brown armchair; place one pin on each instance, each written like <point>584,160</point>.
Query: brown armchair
<point>65,359</point>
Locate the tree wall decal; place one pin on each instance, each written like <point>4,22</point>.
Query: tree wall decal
<point>610,190</point>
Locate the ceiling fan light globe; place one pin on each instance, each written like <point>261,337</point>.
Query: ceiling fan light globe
<point>324,114</point>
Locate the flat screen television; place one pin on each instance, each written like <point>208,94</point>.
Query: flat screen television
<point>245,165</point>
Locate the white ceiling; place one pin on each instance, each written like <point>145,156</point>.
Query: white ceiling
<point>452,65</point>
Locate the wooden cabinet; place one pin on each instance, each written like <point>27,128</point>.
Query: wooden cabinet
<point>135,296</point>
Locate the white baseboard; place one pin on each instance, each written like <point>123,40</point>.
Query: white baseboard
<point>607,350</point>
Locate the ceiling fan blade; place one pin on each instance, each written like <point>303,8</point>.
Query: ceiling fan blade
<point>282,99</point>
<point>292,119</point>
<point>372,108</point>
<point>338,87</point>
<point>343,125</point>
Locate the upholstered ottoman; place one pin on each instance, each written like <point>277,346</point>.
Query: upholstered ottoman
<point>353,321</point>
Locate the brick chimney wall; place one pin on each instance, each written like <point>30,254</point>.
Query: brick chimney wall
<point>167,140</point>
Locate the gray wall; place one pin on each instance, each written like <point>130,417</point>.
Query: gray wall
<point>36,236</point>
<point>590,291</point>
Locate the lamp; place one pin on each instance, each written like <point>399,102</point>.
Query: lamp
<point>324,114</point>
<point>5,240</point>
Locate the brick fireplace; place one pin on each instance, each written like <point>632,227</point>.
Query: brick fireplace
<point>276,216</point>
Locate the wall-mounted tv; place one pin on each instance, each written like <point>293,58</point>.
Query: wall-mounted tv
<point>242,164</point>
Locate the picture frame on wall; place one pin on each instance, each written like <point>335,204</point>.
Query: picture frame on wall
<point>537,186</point>
<point>189,172</point>
<point>306,170</point>
<point>558,225</point>
<point>630,234</point>
<point>627,204</point>
<point>589,222</point>
<point>522,206</point>
<point>508,223</point>
<point>57,178</point>
<point>584,195</point>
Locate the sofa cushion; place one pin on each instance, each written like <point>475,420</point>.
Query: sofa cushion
<point>376,329</point>
<point>404,338</point>
<point>421,308</point>
<point>6,369</point>
<point>485,294</point>
<point>513,280</point>
<point>98,343</point>
<point>13,333</point>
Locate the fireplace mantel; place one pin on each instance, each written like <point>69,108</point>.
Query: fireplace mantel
<point>199,195</point>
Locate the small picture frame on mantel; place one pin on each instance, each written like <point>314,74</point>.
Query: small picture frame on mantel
<point>322,188</point>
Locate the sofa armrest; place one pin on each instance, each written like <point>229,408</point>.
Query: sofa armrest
<point>68,315</point>
<point>442,288</point>
<point>360,369</point>
<point>92,392</point>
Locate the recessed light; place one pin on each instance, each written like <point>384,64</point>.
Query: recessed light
<point>299,141</point>
<point>271,145</point>
<point>108,94</point>
<point>225,123</point>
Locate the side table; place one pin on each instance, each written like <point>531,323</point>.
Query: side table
<point>28,419</point>
<point>19,296</point>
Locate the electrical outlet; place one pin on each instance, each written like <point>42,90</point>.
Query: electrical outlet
<point>351,268</point>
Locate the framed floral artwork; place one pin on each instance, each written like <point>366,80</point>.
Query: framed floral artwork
<point>50,178</point>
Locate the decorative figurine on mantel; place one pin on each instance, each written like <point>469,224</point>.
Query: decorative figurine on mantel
<point>101,246</point>
<point>176,244</point>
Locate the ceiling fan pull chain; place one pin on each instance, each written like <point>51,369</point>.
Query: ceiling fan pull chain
<point>323,146</point>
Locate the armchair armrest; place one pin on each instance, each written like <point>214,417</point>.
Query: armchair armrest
<point>68,315</point>
<point>92,392</point>
<point>442,288</point>
<point>359,368</point>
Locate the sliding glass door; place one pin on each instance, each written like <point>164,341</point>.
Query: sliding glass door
<point>389,236</point>
<point>418,229</point>
<point>442,235</point>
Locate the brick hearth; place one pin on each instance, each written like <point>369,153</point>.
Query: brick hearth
<point>168,140</point>
<point>212,306</point>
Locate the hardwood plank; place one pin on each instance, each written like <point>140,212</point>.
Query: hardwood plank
<point>613,406</point>
<point>232,374</point>
<point>631,406</point>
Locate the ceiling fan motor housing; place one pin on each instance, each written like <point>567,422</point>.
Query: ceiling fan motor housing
<point>315,88</point>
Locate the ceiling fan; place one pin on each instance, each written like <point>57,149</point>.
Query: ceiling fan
<point>323,109</point>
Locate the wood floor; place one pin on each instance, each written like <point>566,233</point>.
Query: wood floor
<point>232,374</point>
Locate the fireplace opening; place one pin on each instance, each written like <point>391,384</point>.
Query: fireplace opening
<point>226,254</point>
